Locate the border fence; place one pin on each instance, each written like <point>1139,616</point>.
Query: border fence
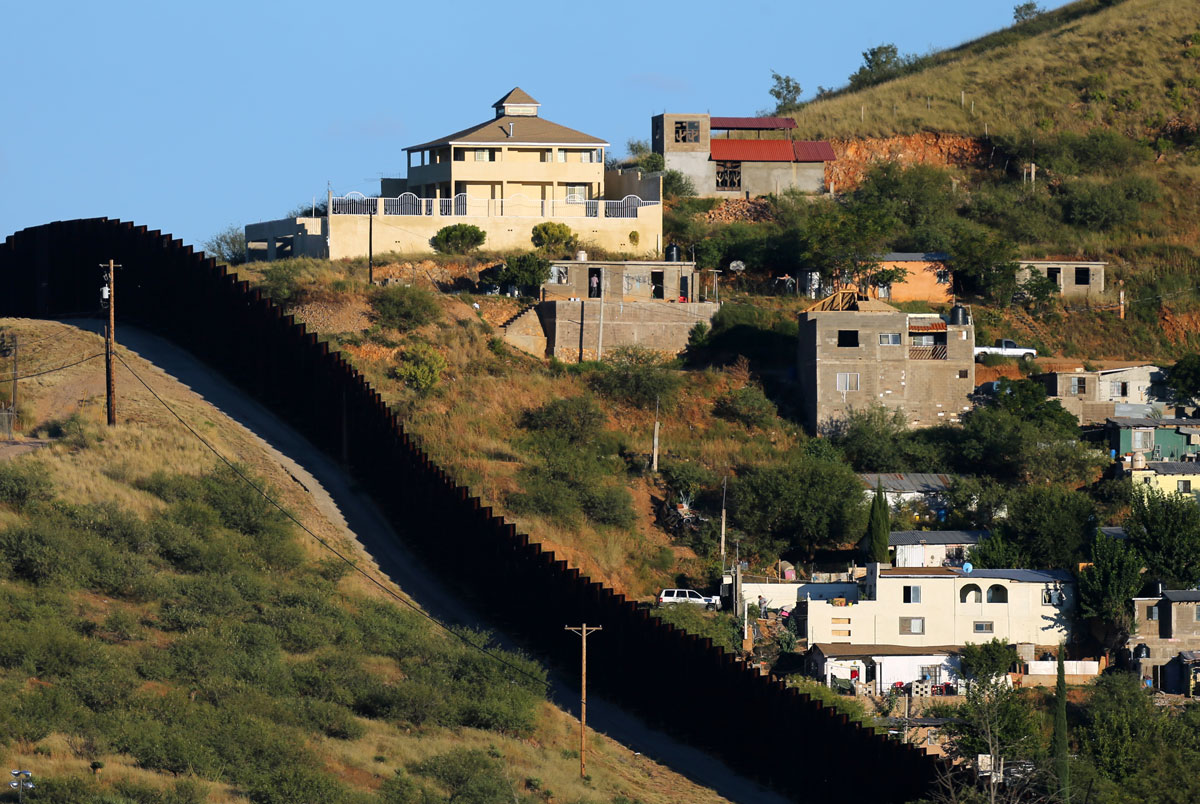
<point>697,692</point>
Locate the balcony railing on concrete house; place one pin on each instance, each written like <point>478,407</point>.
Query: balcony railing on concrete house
<point>517,206</point>
<point>927,352</point>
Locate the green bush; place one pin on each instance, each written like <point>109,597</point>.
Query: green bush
<point>458,238</point>
<point>636,376</point>
<point>23,482</point>
<point>578,419</point>
<point>525,271</point>
<point>554,237</point>
<point>404,308</point>
<point>1105,206</point>
<point>749,406</point>
<point>677,185</point>
<point>420,367</point>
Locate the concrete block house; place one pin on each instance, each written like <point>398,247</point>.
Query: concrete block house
<point>1076,279</point>
<point>725,167</point>
<point>1166,642</point>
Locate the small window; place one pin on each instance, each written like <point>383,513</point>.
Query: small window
<point>983,627</point>
<point>1152,612</point>
<point>1196,612</point>
<point>1121,389</point>
<point>912,625</point>
<point>562,155</point>
<point>577,192</point>
<point>687,131</point>
<point>889,339</point>
<point>1183,486</point>
<point>923,340</point>
<point>1051,597</point>
<point>1143,439</point>
<point>963,374</point>
<point>729,175</point>
<point>847,338</point>
<point>997,594</point>
<point>842,632</point>
<point>1083,276</point>
<point>847,381</point>
<point>943,276</point>
<point>970,594</point>
<point>912,594</point>
<point>483,155</point>
<point>1078,386</point>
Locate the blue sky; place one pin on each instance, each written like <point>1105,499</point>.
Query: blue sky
<point>188,117</point>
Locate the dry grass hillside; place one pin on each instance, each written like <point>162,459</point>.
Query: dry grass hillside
<point>1133,66</point>
<point>89,465</point>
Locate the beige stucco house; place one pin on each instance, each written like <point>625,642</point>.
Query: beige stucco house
<point>1095,396</point>
<point>938,606</point>
<point>1075,278</point>
<point>504,175</point>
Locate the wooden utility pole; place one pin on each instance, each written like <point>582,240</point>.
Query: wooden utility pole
<point>110,336</point>
<point>13,401</point>
<point>583,631</point>
<point>654,455</point>
<point>724,483</point>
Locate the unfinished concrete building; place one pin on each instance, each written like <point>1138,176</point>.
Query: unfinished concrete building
<point>854,351</point>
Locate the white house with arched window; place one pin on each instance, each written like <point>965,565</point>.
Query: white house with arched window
<point>939,606</point>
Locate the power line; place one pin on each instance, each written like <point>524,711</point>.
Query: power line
<point>323,542</point>
<point>60,368</point>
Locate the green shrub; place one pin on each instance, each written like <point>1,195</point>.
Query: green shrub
<point>554,237</point>
<point>578,419</point>
<point>468,775</point>
<point>420,367</point>
<point>404,308</point>
<point>23,482</point>
<point>749,406</point>
<point>686,478</point>
<point>525,271</point>
<point>458,238</point>
<point>677,185</point>
<point>636,376</point>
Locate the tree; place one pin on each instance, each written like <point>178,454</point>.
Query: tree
<point>786,91</point>
<point>1123,725</point>
<point>982,262</point>
<point>996,721</point>
<point>1165,531</point>
<point>878,529</point>
<point>1106,588</point>
<point>553,237</point>
<point>987,660</point>
<point>996,552</point>
<point>404,308</point>
<point>525,271</point>
<point>1024,12</point>
<point>879,64</point>
<point>228,246</point>
<point>677,185</point>
<point>458,238</point>
<point>1184,378</point>
<point>1059,745</point>
<point>1050,524</point>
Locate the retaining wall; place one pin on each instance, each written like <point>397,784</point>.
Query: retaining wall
<point>674,680</point>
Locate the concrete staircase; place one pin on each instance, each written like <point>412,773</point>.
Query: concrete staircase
<point>524,331</point>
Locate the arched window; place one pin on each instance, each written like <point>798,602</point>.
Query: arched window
<point>970,594</point>
<point>997,594</point>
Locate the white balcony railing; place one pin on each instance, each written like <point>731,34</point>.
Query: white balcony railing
<point>517,206</point>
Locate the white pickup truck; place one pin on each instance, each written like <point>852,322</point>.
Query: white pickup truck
<point>1006,348</point>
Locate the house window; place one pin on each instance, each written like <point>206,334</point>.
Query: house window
<point>1143,439</point>
<point>912,626</point>
<point>729,175</point>
<point>1183,486</point>
<point>1152,613</point>
<point>984,627</point>
<point>963,374</point>
<point>970,594</point>
<point>562,155</point>
<point>943,276</point>
<point>889,339</point>
<point>847,382</point>
<point>931,673</point>
<point>687,131</point>
<point>577,192</point>
<point>1120,389</point>
<point>997,594</point>
<point>1083,276</point>
<point>483,155</point>
<point>912,594</point>
<point>922,340</point>
<point>1051,597</point>
<point>1196,612</point>
<point>1078,386</point>
<point>587,156</point>
<point>558,275</point>
<point>841,632</point>
<point>847,338</point>
<point>884,291</point>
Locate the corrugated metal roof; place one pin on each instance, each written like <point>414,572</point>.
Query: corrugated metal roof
<point>914,256</point>
<point>1129,421</point>
<point>1174,467</point>
<point>1182,595</point>
<point>1115,532</point>
<point>1021,575</point>
<point>912,482</point>
<point>751,123</point>
<point>936,326</point>
<point>916,572</point>
<point>840,651</point>
<point>898,537</point>
<point>813,151</point>
<point>751,150</point>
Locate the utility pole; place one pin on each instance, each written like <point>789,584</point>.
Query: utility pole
<point>108,293</point>
<point>654,459</point>
<point>13,401</point>
<point>371,243</point>
<point>724,483</point>
<point>583,631</point>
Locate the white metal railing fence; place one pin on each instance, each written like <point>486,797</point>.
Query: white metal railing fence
<point>516,206</point>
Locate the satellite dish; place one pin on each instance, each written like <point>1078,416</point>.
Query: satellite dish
<point>737,266</point>
<point>968,567</point>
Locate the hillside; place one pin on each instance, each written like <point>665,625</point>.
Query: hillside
<point>1130,65</point>
<point>172,638</point>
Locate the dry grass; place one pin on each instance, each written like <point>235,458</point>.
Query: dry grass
<point>1130,53</point>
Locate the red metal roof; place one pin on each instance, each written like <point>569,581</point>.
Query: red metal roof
<point>937,326</point>
<point>813,151</point>
<point>751,123</point>
<point>752,150</point>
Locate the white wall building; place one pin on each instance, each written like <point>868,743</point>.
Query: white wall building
<point>945,606</point>
<point>882,666</point>
<point>933,548</point>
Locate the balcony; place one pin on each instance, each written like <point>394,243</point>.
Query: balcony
<point>517,206</point>
<point>927,352</point>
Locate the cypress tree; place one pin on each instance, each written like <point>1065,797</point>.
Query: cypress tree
<point>878,527</point>
<point>1061,768</point>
